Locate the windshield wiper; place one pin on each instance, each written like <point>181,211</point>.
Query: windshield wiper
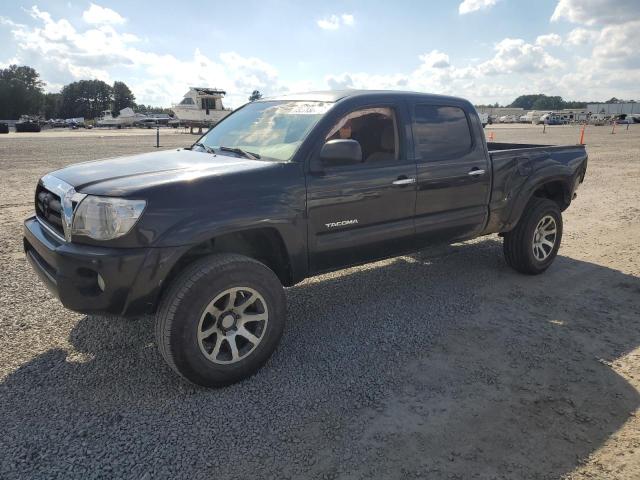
<point>239,151</point>
<point>204,147</point>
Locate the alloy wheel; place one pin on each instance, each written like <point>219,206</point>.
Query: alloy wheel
<point>232,325</point>
<point>544,238</point>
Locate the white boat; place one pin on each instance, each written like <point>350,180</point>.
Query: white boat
<point>508,119</point>
<point>126,118</point>
<point>201,107</point>
<point>535,116</point>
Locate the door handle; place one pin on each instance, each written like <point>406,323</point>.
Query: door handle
<point>476,172</point>
<point>404,181</point>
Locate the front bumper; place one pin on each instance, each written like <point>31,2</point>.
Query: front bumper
<point>88,279</point>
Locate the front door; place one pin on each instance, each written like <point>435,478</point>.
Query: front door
<point>358,213</point>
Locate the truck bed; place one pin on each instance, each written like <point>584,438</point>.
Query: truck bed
<point>520,168</point>
<point>565,157</point>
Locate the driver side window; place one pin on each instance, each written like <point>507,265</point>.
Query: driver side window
<point>374,128</point>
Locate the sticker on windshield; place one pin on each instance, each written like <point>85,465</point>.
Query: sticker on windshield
<point>307,108</point>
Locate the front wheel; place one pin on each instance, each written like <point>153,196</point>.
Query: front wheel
<point>221,319</point>
<point>533,244</point>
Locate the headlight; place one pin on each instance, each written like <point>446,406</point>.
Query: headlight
<point>106,218</point>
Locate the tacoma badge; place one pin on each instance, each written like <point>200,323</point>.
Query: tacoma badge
<point>341,223</point>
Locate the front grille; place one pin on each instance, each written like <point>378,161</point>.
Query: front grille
<point>49,209</point>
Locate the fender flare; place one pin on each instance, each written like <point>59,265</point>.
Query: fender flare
<point>527,191</point>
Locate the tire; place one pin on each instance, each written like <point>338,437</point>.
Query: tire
<point>520,243</point>
<point>189,310</point>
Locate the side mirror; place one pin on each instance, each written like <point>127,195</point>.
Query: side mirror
<point>341,152</point>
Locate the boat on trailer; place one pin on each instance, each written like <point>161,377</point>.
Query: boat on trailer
<point>201,107</point>
<point>126,118</point>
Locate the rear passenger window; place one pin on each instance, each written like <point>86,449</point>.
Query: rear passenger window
<point>440,132</point>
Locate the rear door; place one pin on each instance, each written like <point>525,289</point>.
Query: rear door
<point>453,172</point>
<point>358,213</point>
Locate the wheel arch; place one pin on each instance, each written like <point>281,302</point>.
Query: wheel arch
<point>264,244</point>
<point>556,189</point>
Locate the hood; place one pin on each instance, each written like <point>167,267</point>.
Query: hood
<point>123,176</point>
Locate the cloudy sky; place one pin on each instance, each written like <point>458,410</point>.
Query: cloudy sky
<point>486,50</point>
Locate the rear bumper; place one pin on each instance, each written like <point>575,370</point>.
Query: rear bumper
<point>88,279</point>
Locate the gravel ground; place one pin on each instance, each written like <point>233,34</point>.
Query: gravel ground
<point>443,364</point>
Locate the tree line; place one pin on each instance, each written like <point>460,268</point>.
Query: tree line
<point>544,102</point>
<point>22,93</point>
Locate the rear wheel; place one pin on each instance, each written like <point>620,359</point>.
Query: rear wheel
<point>221,319</point>
<point>533,244</point>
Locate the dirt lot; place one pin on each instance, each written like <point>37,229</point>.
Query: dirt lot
<point>444,364</point>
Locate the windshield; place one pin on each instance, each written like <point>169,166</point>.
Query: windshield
<point>273,130</point>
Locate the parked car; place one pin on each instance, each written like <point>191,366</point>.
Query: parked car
<point>4,127</point>
<point>508,119</point>
<point>551,119</point>
<point>27,124</point>
<point>622,119</point>
<point>280,190</point>
<point>57,123</point>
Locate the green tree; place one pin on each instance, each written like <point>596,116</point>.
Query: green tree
<point>21,91</point>
<point>255,95</point>
<point>86,98</point>
<point>147,109</point>
<point>122,96</point>
<point>526,101</point>
<point>541,101</point>
<point>548,103</point>
<point>51,105</point>
<point>488,105</point>
<point>576,105</point>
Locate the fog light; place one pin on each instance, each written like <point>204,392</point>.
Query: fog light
<point>101,282</point>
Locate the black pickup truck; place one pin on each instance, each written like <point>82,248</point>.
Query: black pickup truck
<point>282,189</point>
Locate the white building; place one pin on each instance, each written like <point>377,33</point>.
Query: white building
<point>614,108</point>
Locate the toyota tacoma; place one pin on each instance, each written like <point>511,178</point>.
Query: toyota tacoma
<point>206,237</point>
